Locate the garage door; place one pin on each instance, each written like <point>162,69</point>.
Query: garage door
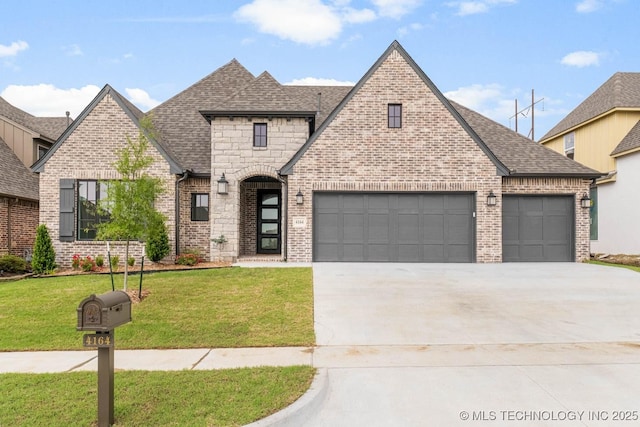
<point>538,228</point>
<point>382,227</point>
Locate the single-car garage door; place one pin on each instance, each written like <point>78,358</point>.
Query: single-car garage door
<point>398,227</point>
<point>537,228</point>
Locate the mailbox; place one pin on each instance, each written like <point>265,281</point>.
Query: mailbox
<point>104,312</point>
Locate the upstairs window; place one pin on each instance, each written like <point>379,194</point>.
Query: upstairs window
<point>200,207</point>
<point>569,144</point>
<point>259,134</point>
<point>395,115</point>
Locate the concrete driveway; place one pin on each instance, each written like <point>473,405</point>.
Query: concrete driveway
<point>473,344</point>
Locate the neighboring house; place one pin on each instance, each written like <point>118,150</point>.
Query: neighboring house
<point>389,170</point>
<point>603,133</point>
<point>23,139</point>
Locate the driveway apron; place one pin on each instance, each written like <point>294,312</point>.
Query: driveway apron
<point>477,344</point>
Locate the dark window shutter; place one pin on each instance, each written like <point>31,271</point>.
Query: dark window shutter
<point>67,205</point>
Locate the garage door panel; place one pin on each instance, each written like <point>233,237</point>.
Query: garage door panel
<point>378,253</point>
<point>378,201</point>
<point>328,223</point>
<point>353,228</point>
<point>408,228</point>
<point>458,228</point>
<point>378,229</point>
<point>434,228</point>
<point>409,253</point>
<point>458,253</point>
<point>353,252</point>
<point>326,252</point>
<point>538,228</point>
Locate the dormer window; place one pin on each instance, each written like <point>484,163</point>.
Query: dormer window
<point>395,115</point>
<point>259,134</point>
<point>569,144</point>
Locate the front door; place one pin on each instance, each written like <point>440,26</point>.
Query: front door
<point>269,221</point>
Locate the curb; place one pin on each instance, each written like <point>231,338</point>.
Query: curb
<point>299,411</point>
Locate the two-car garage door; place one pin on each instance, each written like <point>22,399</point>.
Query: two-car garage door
<point>394,227</point>
<point>437,227</point>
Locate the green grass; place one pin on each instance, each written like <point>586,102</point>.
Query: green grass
<point>609,264</point>
<point>151,398</point>
<point>227,307</point>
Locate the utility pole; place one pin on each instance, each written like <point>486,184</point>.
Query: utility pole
<point>525,111</point>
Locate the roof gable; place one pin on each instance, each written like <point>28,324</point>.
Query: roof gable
<point>622,90</point>
<point>130,110</point>
<point>287,169</point>
<point>630,142</point>
<point>181,127</point>
<point>48,127</point>
<point>17,180</point>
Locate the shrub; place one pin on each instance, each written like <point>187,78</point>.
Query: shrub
<point>131,261</point>
<point>100,261</point>
<point>12,264</point>
<point>44,256</point>
<point>75,262</point>
<point>115,260</point>
<point>88,264</point>
<point>188,258</point>
<point>158,243</point>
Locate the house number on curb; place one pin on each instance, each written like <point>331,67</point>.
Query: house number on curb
<point>97,340</point>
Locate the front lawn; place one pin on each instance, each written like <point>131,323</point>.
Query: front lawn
<point>609,264</point>
<point>225,307</point>
<point>150,398</point>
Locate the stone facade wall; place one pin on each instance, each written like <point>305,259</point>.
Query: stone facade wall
<point>194,235</point>
<point>234,155</point>
<point>89,153</point>
<point>18,223</point>
<point>558,186</point>
<point>431,152</point>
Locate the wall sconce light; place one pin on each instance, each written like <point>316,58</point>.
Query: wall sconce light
<point>491,199</point>
<point>585,202</point>
<point>223,185</point>
<point>299,198</point>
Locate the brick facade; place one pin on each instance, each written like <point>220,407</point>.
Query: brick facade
<point>18,223</point>
<point>89,153</point>
<point>431,152</point>
<point>194,235</point>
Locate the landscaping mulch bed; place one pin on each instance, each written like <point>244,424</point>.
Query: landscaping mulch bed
<point>633,260</point>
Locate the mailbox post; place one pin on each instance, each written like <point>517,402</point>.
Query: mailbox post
<point>102,314</point>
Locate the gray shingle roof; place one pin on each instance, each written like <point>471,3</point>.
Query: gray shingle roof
<point>622,90</point>
<point>17,180</point>
<point>631,141</point>
<point>48,127</point>
<point>181,127</point>
<point>520,154</point>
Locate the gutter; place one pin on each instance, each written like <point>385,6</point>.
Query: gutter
<point>185,175</point>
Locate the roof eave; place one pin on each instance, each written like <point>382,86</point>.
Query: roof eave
<point>585,175</point>
<point>211,115</point>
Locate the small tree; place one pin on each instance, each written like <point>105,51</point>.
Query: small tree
<point>158,242</point>
<point>130,199</point>
<point>44,256</point>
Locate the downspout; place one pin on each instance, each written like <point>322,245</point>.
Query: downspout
<point>9,225</point>
<point>185,175</point>
<point>285,215</point>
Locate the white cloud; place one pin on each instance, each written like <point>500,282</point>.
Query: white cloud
<point>475,7</point>
<point>45,100</point>
<point>354,16</point>
<point>476,95</point>
<point>309,22</point>
<point>588,6</point>
<point>403,31</point>
<point>141,99</point>
<point>72,50</point>
<point>581,58</point>
<point>13,48</point>
<point>396,8</point>
<point>314,81</point>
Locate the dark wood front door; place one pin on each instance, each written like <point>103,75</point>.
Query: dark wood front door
<point>269,229</point>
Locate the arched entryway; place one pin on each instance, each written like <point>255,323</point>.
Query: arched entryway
<point>261,217</point>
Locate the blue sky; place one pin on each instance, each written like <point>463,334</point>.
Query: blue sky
<point>56,55</point>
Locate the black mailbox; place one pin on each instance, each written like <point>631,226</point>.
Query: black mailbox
<point>104,312</point>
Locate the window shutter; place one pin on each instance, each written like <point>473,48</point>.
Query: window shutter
<point>67,204</point>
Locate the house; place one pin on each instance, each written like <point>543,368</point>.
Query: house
<point>603,133</point>
<point>23,139</point>
<point>387,170</point>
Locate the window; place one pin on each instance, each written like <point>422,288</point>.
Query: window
<point>593,214</point>
<point>90,193</point>
<point>42,150</point>
<point>199,207</point>
<point>259,134</point>
<point>395,115</point>
<point>569,144</point>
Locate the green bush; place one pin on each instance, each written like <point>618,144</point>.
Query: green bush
<point>88,264</point>
<point>100,261</point>
<point>188,258</point>
<point>131,261</point>
<point>115,260</point>
<point>44,256</point>
<point>158,243</point>
<point>12,264</point>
